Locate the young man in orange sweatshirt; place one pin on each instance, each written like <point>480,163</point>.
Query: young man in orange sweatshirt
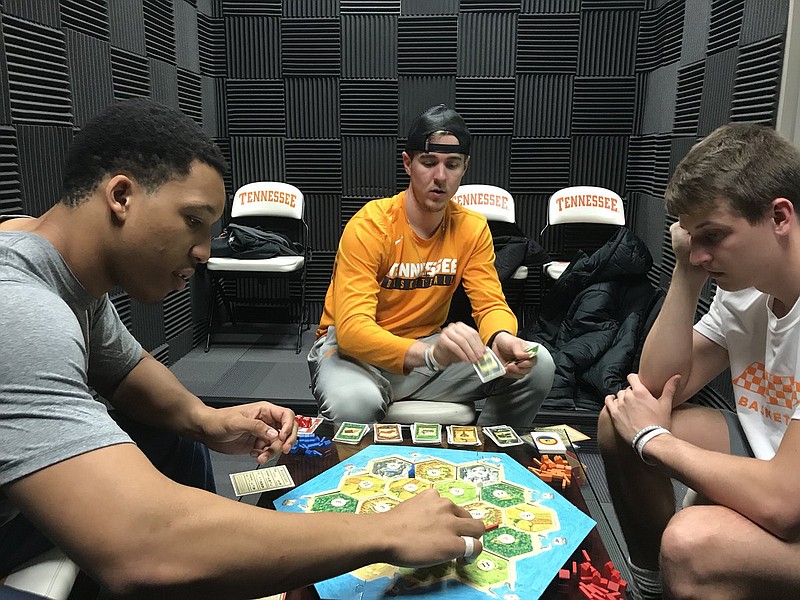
<point>399,262</point>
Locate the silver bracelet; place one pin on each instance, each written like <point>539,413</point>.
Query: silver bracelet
<point>430,360</point>
<point>646,438</point>
<point>641,432</point>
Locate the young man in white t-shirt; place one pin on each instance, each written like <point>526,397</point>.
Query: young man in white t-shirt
<point>736,196</point>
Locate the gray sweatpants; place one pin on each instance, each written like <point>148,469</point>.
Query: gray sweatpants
<point>347,389</point>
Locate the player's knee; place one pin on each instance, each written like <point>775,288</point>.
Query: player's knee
<point>689,546</point>
<point>607,439</point>
<point>541,376</point>
<point>358,402</point>
<point>545,367</point>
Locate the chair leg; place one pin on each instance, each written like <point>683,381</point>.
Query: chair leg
<point>303,324</point>
<point>303,316</point>
<point>212,296</point>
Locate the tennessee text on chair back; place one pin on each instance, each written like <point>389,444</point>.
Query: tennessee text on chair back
<point>267,198</point>
<point>494,203</point>
<point>279,208</point>
<point>585,204</point>
<point>582,204</point>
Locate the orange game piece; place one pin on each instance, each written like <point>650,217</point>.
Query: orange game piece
<point>553,469</point>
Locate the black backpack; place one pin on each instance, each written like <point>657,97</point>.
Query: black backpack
<point>241,241</point>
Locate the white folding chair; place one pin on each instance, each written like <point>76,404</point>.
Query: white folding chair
<point>582,204</point>
<point>49,575</point>
<point>494,203</point>
<point>274,206</point>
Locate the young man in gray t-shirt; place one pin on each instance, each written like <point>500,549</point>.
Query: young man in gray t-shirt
<point>142,187</point>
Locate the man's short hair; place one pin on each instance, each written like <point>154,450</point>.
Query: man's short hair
<point>439,119</point>
<point>747,164</point>
<point>147,141</point>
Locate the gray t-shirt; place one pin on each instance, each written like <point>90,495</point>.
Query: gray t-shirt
<point>56,341</point>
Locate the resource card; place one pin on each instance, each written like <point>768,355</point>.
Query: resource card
<point>388,433</point>
<point>307,424</point>
<point>462,435</point>
<point>261,480</point>
<point>532,350</point>
<point>351,433</point>
<point>503,435</point>
<point>426,433</point>
<point>567,433</point>
<point>489,367</point>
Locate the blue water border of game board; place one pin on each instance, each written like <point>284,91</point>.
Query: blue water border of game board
<point>533,574</point>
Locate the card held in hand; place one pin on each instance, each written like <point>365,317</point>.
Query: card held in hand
<point>531,350</point>
<point>350,433</point>
<point>489,367</point>
<point>261,480</point>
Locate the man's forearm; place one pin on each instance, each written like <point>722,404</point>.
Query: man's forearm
<point>154,538</point>
<point>151,394</point>
<point>668,347</point>
<point>157,539</point>
<point>718,477</point>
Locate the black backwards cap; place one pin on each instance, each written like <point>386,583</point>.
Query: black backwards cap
<point>438,118</point>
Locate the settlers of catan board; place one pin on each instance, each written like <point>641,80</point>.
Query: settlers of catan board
<point>537,529</point>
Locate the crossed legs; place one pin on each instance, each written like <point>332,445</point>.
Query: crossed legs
<point>351,390</point>
<point>706,551</point>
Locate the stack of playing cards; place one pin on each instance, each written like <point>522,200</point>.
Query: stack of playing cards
<point>307,424</point>
<point>261,480</point>
<point>489,367</point>
<point>548,443</point>
<point>503,435</point>
<point>462,435</point>
<point>426,433</point>
<point>351,433</point>
<point>388,433</point>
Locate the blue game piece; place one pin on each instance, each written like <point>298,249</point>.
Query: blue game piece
<point>307,443</point>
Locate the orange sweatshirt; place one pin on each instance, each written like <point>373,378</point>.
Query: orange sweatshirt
<point>391,287</point>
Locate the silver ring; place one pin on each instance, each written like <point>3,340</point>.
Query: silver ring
<point>469,550</point>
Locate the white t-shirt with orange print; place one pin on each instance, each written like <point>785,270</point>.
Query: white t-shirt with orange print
<point>764,354</point>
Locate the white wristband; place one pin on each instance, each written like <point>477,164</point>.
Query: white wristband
<point>430,360</point>
<point>641,432</point>
<point>646,438</point>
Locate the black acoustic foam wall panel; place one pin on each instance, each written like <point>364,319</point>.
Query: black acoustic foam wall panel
<point>62,62</point>
<point>320,93</point>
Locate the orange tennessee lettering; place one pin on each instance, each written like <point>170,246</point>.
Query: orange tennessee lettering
<point>587,200</point>
<point>268,196</point>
